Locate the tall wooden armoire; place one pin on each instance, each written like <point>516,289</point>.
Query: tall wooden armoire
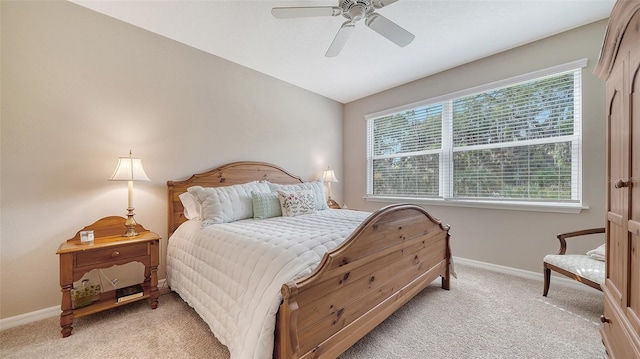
<point>619,66</point>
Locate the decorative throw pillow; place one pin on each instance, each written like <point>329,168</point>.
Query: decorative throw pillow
<point>317,187</point>
<point>265,205</point>
<point>295,203</point>
<point>598,253</point>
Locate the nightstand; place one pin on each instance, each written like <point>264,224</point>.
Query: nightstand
<point>109,248</point>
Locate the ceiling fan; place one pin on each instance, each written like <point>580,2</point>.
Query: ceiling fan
<point>354,11</point>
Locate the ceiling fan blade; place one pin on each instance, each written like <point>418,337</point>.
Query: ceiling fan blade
<point>293,12</point>
<point>382,3</point>
<point>341,39</point>
<point>389,29</point>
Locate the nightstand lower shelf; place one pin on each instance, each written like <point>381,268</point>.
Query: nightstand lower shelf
<point>107,301</point>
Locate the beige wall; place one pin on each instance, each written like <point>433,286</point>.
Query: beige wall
<point>505,237</point>
<point>80,89</point>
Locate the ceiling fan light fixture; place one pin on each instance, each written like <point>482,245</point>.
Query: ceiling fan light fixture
<point>356,12</point>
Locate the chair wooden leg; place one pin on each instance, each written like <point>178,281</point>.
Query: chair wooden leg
<point>547,279</point>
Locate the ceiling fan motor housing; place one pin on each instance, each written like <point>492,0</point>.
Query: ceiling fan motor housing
<point>355,10</point>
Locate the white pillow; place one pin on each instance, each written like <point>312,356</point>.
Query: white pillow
<point>598,253</point>
<point>317,187</point>
<point>227,204</point>
<point>191,206</point>
<point>296,203</point>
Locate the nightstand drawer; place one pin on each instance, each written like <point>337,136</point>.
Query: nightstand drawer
<point>111,254</point>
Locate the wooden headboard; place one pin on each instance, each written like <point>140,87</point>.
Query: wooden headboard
<point>227,175</point>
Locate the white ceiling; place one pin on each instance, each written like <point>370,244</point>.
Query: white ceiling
<point>448,33</point>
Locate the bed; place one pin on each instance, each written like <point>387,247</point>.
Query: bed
<point>356,274</point>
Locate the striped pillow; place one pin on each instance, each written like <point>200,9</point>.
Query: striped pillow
<point>265,205</point>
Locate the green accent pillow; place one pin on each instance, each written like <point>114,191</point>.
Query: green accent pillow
<point>265,205</point>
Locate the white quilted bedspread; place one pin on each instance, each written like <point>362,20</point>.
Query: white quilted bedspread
<point>231,273</point>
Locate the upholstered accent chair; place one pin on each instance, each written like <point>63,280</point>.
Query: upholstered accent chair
<point>584,268</point>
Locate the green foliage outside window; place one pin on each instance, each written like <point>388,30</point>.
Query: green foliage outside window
<point>516,142</point>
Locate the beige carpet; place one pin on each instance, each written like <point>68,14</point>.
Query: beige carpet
<point>484,315</point>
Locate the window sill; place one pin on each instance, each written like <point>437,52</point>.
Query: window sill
<point>572,208</point>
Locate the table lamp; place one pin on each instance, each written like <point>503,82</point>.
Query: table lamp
<point>129,169</point>
<point>329,176</point>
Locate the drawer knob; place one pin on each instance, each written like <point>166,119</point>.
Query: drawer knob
<point>115,254</point>
<point>604,319</point>
<point>621,184</point>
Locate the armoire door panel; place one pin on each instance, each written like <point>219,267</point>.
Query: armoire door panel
<point>618,200</point>
<point>617,263</point>
<point>633,310</point>
<point>634,111</point>
<point>618,146</point>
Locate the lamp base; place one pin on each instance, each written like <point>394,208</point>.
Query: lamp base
<point>333,204</point>
<point>131,223</point>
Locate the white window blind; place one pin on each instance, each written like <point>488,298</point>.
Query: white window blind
<point>519,141</point>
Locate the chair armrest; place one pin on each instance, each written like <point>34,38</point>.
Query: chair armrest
<point>584,232</point>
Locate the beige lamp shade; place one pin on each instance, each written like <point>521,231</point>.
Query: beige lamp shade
<point>129,169</point>
<point>329,176</point>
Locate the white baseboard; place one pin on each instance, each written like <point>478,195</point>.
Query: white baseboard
<point>31,317</point>
<point>555,279</point>
<point>27,318</point>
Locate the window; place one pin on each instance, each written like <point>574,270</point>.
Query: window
<point>514,141</point>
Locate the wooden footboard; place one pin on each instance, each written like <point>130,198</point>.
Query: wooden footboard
<point>391,257</point>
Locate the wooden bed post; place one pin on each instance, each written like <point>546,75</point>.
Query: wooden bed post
<point>446,278</point>
<point>286,343</point>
